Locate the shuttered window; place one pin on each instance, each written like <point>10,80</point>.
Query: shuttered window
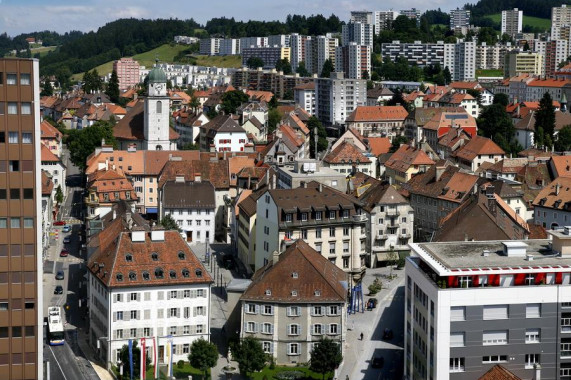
<point>496,312</point>
<point>458,313</point>
<point>457,339</point>
<point>490,338</point>
<point>533,310</point>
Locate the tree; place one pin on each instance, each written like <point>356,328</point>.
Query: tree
<point>113,87</point>
<point>250,355</point>
<point>301,70</point>
<point>397,141</point>
<point>254,62</point>
<point>563,142</point>
<point>231,100</point>
<point>169,223</point>
<point>273,103</point>
<point>47,89</point>
<point>194,104</point>
<point>447,75</point>
<point>190,146</point>
<point>476,94</point>
<point>322,143</point>
<point>203,355</point>
<point>398,99</point>
<point>274,118</point>
<point>325,357</point>
<point>59,195</point>
<point>502,99</point>
<point>81,143</point>
<point>495,123</point>
<point>545,118</point>
<point>284,66</point>
<point>327,69</point>
<point>124,357</point>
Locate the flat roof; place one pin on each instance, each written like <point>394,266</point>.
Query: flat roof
<point>450,257</point>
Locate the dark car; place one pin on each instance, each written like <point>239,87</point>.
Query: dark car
<point>372,303</point>
<point>59,223</point>
<point>67,240</point>
<point>388,334</point>
<point>64,253</point>
<point>378,362</point>
<point>58,289</point>
<point>60,275</point>
<point>228,262</point>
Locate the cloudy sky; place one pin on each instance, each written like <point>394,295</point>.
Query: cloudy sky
<point>20,16</point>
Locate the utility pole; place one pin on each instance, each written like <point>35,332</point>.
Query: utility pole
<point>315,137</point>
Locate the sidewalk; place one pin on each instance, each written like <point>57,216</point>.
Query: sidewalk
<point>91,356</point>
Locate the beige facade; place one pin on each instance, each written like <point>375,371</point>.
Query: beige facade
<point>518,63</point>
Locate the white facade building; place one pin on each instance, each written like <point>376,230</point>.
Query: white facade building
<point>336,97</point>
<point>459,18</point>
<point>512,21</point>
<point>317,51</point>
<point>360,33</point>
<point>304,95</point>
<point>383,19</point>
<point>353,60</point>
<point>460,58</point>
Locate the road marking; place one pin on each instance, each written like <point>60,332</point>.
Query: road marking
<point>57,362</point>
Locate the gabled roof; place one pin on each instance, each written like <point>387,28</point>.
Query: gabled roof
<point>478,145</point>
<point>549,82</point>
<point>123,263</point>
<point>498,372</point>
<point>290,138</point>
<point>296,123</point>
<point>562,119</point>
<point>111,182</point>
<point>222,123</point>
<point>266,96</point>
<point>216,172</point>
<point>453,137</point>
<point>377,113</point>
<point>464,85</point>
<point>48,131</point>
<point>346,153</point>
<point>556,195</point>
<point>47,155</point>
<point>407,156</point>
<point>508,165</point>
<point>184,195</point>
<point>381,194</point>
<point>379,145</point>
<point>561,166</point>
<point>316,280</point>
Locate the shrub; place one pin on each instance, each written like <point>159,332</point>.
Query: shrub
<point>376,286</point>
<point>180,364</point>
<point>289,375</point>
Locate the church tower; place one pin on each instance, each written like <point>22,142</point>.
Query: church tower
<point>157,109</point>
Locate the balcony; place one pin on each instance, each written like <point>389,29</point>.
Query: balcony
<point>392,212</point>
<point>565,350</point>
<point>566,325</point>
<point>360,218</point>
<point>404,236</point>
<point>382,236</point>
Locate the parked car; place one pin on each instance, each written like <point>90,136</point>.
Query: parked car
<point>58,289</point>
<point>60,275</point>
<point>64,253</point>
<point>388,334</point>
<point>59,223</point>
<point>66,228</point>
<point>372,303</point>
<point>67,240</point>
<point>378,362</point>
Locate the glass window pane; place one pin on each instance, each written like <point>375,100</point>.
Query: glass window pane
<point>12,108</point>
<point>14,222</point>
<point>13,137</point>
<point>26,108</point>
<point>24,79</point>
<point>11,78</point>
<point>28,222</point>
<point>26,137</point>
<point>3,223</point>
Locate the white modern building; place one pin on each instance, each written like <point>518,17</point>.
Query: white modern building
<point>252,42</point>
<point>460,58</point>
<point>459,18</point>
<point>336,97</point>
<point>384,19</point>
<point>297,45</point>
<point>560,22</point>
<point>512,21</point>
<point>146,285</point>
<point>279,40</point>
<point>359,33</point>
<point>353,60</point>
<point>304,96</point>
<point>317,51</point>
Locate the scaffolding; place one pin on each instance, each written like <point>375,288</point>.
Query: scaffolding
<point>356,303</point>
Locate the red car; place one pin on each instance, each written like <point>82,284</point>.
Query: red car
<point>64,253</point>
<point>59,223</point>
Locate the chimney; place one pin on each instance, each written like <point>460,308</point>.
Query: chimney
<point>197,177</point>
<point>439,171</point>
<point>320,187</point>
<point>557,187</point>
<point>275,257</point>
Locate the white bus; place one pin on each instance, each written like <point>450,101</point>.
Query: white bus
<point>55,326</point>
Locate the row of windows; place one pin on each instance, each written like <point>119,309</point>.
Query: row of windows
<point>148,331</point>
<point>292,311</point>
<point>134,296</point>
<point>491,312</point>
<point>495,337</point>
<point>293,329</point>
<point>173,312</point>
<point>12,79</point>
<point>458,364</point>
<point>17,194</point>
<point>11,108</point>
<point>16,304</point>
<point>16,222</point>
<point>17,331</point>
<point>14,137</point>
<point>189,212</point>
<point>189,223</point>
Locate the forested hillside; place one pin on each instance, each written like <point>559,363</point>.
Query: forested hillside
<point>533,8</point>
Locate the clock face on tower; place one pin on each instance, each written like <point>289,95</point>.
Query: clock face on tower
<point>159,87</point>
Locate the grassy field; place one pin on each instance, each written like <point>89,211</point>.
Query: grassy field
<point>489,73</point>
<point>543,23</point>
<point>43,50</point>
<point>166,53</point>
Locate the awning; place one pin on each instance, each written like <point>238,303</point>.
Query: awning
<point>386,256</point>
<point>152,210</point>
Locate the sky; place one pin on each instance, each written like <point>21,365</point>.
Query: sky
<point>21,16</point>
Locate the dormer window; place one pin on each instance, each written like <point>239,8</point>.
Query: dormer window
<point>128,257</point>
<point>155,256</point>
<point>331,214</point>
<point>304,216</point>
<point>132,276</point>
<point>289,217</point>
<point>268,292</point>
<point>181,255</point>
<point>198,273</point>
<point>146,276</point>
<point>172,274</point>
<point>119,277</point>
<point>294,293</point>
<point>318,215</point>
<point>294,275</point>
<point>317,293</point>
<point>185,273</point>
<point>159,273</point>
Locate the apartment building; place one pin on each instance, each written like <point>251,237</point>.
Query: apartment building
<point>297,45</point>
<point>384,20</point>
<point>21,302</point>
<point>304,96</point>
<point>250,42</point>
<point>491,57</point>
<point>517,63</point>
<point>413,14</point>
<point>416,53</point>
<point>473,305</point>
<point>105,188</point>
<point>300,172</point>
<point>364,17</point>
<point>279,40</point>
<point>360,33</point>
<point>330,221</point>
<point>460,58</point>
<point>336,97</point>
<point>554,51</point>
<point>536,88</point>
<point>223,134</point>
<point>353,60</point>
<point>146,284</point>
<point>210,46</point>
<point>269,55</point>
<point>229,46</point>
<point>512,21</point>
<point>459,18</point>
<point>317,51</point>
<point>560,22</point>
<point>127,70</point>
<point>378,121</point>
<point>287,316</point>
<point>268,80</point>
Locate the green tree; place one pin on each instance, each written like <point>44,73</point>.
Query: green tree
<point>322,143</point>
<point>113,87</point>
<point>398,99</point>
<point>284,66</point>
<point>190,146</point>
<point>476,94</point>
<point>250,355</point>
<point>447,75</point>
<point>194,104</point>
<point>302,70</point>
<point>545,118</point>
<point>124,357</point>
<point>563,142</point>
<point>87,81</point>
<point>81,143</point>
<point>273,103</point>
<point>59,195</point>
<point>274,118</point>
<point>325,357</point>
<point>231,100</point>
<point>327,69</point>
<point>502,99</point>
<point>495,123</point>
<point>169,223</point>
<point>254,62</point>
<point>397,141</point>
<point>63,75</point>
<point>203,355</point>
<point>47,89</point>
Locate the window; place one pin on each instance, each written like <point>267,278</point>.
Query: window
<point>457,339</point>
<point>345,213</point>
<point>318,215</point>
<point>3,222</point>
<point>14,222</point>
<point>250,327</point>
<point>26,108</point>
<point>345,262</point>
<point>119,333</point>
<point>345,231</point>
<point>304,234</point>
<point>289,217</point>
<point>490,338</point>
<point>159,107</point>
<point>14,166</point>
<point>317,329</point>
<point>332,248</point>
<point>2,134</point>
<point>333,310</point>
<point>13,137</point>
<point>173,312</point>
<point>333,329</point>
<point>294,329</point>
<point>267,347</point>
<point>457,365</point>
<point>250,308</point>
<point>331,214</point>
<point>12,108</point>
<point>28,222</point>
<point>533,310</point>
<point>495,359</point>
<point>495,312</point>
<point>318,233</point>
<point>318,247</point>
<point>304,216</point>
<point>25,79</point>
<point>532,335</point>
<point>11,79</point>
<point>268,310</point>
<point>119,316</point>
<point>457,313</point>
<point>331,231</point>
<point>134,314</point>
<point>293,349</point>
<point>267,328</point>
<point>294,311</point>
<point>531,360</point>
<point>317,311</point>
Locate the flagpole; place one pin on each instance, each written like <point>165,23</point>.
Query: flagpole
<point>143,358</point>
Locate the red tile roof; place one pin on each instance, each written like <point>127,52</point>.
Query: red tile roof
<point>556,195</point>
<point>377,113</point>
<point>379,145</point>
<point>48,131</point>
<point>498,372</point>
<point>549,82</point>
<point>47,184</point>
<point>406,156</point>
<point>561,166</point>
<point>47,155</point>
<point>478,146</point>
<point>346,153</point>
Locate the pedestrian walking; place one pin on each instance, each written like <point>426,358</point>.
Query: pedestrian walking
<point>361,336</point>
